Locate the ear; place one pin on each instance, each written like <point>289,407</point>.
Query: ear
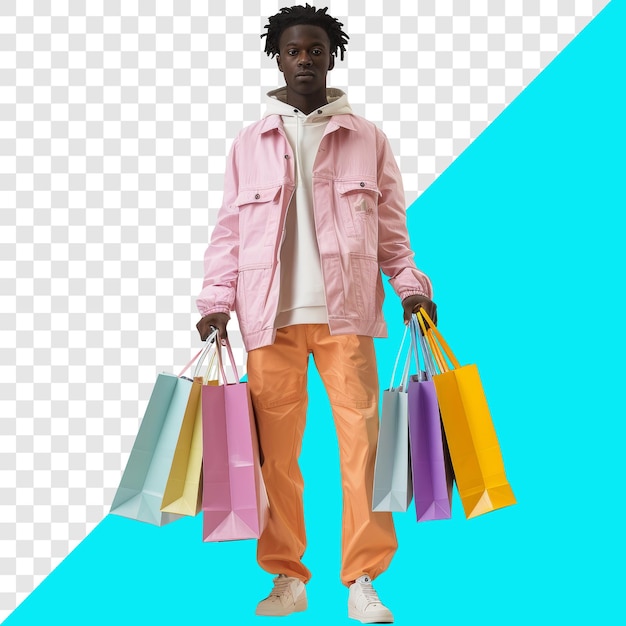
<point>332,62</point>
<point>280,67</point>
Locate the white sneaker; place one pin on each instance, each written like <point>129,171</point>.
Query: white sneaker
<point>288,596</point>
<point>364,605</point>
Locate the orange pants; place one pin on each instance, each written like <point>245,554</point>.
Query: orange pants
<point>277,378</point>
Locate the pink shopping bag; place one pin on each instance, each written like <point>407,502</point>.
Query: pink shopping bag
<point>234,500</point>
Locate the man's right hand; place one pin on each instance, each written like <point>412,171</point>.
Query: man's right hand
<point>215,320</point>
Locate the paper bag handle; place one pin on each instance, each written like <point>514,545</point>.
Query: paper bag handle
<point>407,364</point>
<point>436,349</point>
<point>419,343</point>
<point>211,370</point>
<point>433,347</point>
<point>230,355</point>
<point>201,353</point>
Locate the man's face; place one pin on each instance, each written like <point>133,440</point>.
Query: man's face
<point>305,58</point>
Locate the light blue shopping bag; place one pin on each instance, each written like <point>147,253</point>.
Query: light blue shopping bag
<point>393,486</point>
<point>141,489</point>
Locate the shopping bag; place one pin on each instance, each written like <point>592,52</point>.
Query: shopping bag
<point>472,441</point>
<point>430,460</point>
<point>393,489</point>
<point>234,499</point>
<point>140,493</point>
<point>183,490</point>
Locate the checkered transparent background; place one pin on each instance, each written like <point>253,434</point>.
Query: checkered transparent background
<point>115,118</point>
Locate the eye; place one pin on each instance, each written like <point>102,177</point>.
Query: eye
<point>292,52</point>
<point>316,52</point>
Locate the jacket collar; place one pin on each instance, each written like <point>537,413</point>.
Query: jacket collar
<point>275,122</point>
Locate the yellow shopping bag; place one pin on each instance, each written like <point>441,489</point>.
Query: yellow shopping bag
<point>474,449</point>
<point>183,491</point>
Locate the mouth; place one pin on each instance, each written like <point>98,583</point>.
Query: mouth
<point>305,75</point>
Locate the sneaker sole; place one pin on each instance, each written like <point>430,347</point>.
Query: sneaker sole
<point>386,618</point>
<point>300,605</point>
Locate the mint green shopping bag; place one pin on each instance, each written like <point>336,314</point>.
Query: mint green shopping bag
<point>140,493</point>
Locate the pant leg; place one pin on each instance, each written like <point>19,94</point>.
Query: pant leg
<point>347,366</point>
<point>277,378</point>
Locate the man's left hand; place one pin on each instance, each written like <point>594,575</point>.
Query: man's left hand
<point>412,304</point>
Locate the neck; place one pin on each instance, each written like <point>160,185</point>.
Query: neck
<point>306,103</point>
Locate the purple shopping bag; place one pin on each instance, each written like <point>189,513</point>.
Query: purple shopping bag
<point>432,469</point>
<point>234,500</point>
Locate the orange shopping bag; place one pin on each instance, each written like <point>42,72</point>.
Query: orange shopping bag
<point>474,449</point>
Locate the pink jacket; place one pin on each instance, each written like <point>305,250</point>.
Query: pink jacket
<point>360,224</point>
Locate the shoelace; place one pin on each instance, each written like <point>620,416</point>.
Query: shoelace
<point>281,585</point>
<point>370,593</point>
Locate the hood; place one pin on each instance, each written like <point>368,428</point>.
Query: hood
<point>337,104</point>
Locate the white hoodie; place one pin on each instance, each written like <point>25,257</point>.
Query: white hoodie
<point>302,298</point>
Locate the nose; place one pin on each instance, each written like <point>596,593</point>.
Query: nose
<point>304,59</point>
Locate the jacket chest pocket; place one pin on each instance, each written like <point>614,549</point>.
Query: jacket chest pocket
<point>357,201</point>
<point>258,217</point>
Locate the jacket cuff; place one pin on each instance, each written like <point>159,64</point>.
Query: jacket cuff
<point>204,311</point>
<point>414,292</point>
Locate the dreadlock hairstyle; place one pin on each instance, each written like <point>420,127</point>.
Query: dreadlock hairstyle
<point>290,16</point>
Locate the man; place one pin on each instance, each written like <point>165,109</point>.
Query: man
<point>313,210</point>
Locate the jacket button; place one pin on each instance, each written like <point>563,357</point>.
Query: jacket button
<point>257,196</point>
<point>320,112</point>
<point>362,184</point>
<point>295,110</point>
<point>286,156</point>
